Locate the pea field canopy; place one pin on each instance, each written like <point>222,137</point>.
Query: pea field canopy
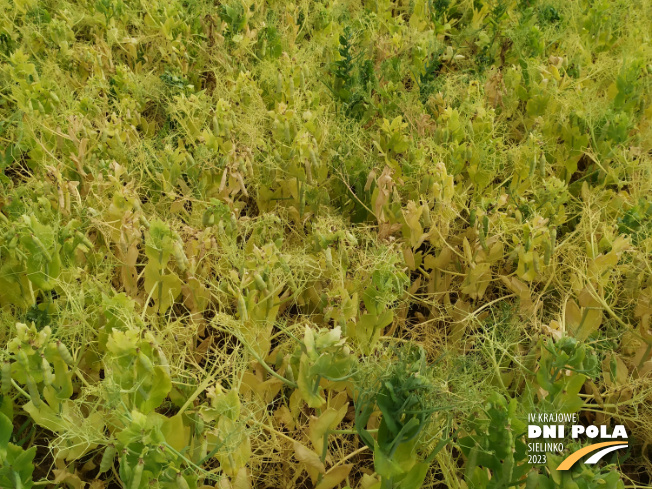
<point>323,243</point>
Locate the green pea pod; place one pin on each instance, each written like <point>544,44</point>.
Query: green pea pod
<point>145,362</point>
<point>125,470</point>
<point>180,256</point>
<point>216,127</point>
<point>39,244</point>
<point>286,128</point>
<point>329,257</point>
<point>181,482</point>
<point>483,241</point>
<point>204,448</point>
<point>302,200</point>
<point>85,241</point>
<point>243,307</point>
<point>279,83</point>
<point>62,380</point>
<point>533,165</point>
<point>199,426</point>
<point>163,360</point>
<point>46,370</point>
<point>138,474</point>
<point>427,220</point>
<point>33,392</point>
<point>308,172</point>
<point>107,458</point>
<point>547,252</point>
<point>22,359</point>
<point>291,87</point>
<point>352,239</point>
<point>64,353</point>
<point>260,283</point>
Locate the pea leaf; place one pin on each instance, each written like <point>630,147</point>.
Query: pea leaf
<point>415,477</point>
<point>6,427</point>
<point>161,386</point>
<point>334,476</point>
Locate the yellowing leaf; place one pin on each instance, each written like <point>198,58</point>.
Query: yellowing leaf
<point>526,269</point>
<point>369,482</point>
<point>573,316</point>
<point>586,298</point>
<point>309,391</point>
<point>164,288</point>
<point>468,254</point>
<point>69,479</point>
<point>176,434</point>
<point>477,280</point>
<point>614,370</point>
<point>309,458</point>
<point>235,447</point>
<point>241,480</point>
<point>440,262</point>
<point>328,420</point>
<point>334,476</point>
<point>582,322</point>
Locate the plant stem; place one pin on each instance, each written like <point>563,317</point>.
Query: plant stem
<point>349,456</point>
<point>350,432</point>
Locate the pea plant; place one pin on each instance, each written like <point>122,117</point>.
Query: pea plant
<point>341,245</point>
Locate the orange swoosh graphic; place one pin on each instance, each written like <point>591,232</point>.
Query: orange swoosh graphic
<point>574,457</point>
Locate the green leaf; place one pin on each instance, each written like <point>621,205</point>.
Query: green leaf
<point>414,479</point>
<point>6,428</point>
<point>307,384</point>
<point>161,386</point>
<point>228,404</point>
<point>160,245</point>
<point>569,401</point>
<point>46,417</point>
<point>17,463</point>
<point>384,465</point>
